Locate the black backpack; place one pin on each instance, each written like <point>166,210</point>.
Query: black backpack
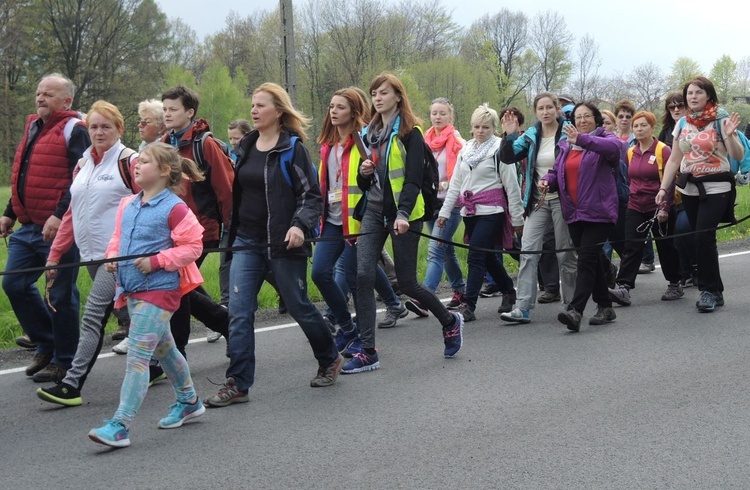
<point>430,184</point>
<point>198,154</point>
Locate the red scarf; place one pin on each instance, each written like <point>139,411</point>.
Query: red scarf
<point>445,140</point>
<point>703,119</point>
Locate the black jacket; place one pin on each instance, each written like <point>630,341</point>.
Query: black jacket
<point>297,205</point>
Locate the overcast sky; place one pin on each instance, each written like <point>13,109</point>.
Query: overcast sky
<point>629,33</point>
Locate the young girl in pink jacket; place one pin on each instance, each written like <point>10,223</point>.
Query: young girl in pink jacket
<point>154,220</point>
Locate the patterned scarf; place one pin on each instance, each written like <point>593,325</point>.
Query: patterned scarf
<point>475,153</point>
<point>709,114</point>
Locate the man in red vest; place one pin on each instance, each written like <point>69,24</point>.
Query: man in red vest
<point>53,141</point>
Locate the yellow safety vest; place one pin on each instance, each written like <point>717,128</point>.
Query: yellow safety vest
<point>350,192</point>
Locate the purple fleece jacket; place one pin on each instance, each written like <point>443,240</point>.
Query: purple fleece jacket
<point>597,187</point>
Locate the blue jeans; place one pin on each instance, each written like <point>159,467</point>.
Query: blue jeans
<point>248,270</point>
<point>54,333</point>
<point>482,231</point>
<point>325,257</point>
<point>443,257</point>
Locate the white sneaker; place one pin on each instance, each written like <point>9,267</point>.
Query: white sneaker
<point>122,347</point>
<point>213,337</point>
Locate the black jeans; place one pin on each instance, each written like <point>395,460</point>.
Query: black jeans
<point>593,265</point>
<point>705,214</point>
<point>634,249</point>
<point>199,304</point>
<point>482,231</point>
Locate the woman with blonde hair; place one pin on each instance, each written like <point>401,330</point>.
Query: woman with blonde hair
<point>276,204</point>
<point>490,200</point>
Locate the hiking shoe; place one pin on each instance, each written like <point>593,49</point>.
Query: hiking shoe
<point>120,333</point>
<point>620,295</point>
<point>392,314</point>
<point>344,340</point>
<point>466,312</point>
<point>227,394</point>
<point>453,337</point>
<point>416,308</point>
<point>113,434</point>
<point>516,316</point>
<point>674,291</point>
<point>646,268</point>
<point>39,362</point>
<point>456,300</point>
<point>327,374</point>
<point>25,342</point>
<point>179,413</point>
<point>361,362</point>
<point>509,299</point>
<point>52,373</point>
<point>707,302</point>
<point>155,373</point>
<point>490,291</point>
<point>122,347</point>
<point>62,394</point>
<point>571,319</point>
<point>212,337</point>
<point>548,297</point>
<point>604,314</point>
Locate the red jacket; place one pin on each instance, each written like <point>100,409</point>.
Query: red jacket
<point>48,174</point>
<point>210,200</point>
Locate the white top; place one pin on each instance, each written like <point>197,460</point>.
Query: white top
<point>483,177</point>
<point>545,160</point>
<point>333,215</point>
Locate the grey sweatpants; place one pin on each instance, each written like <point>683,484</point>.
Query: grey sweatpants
<point>98,307</point>
<point>405,250</point>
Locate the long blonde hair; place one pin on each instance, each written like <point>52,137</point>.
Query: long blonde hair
<point>291,119</point>
<point>168,158</point>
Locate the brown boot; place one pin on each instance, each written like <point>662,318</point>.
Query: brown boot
<point>39,362</point>
<point>50,374</point>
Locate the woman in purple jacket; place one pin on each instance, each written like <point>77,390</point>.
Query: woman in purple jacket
<point>584,176</point>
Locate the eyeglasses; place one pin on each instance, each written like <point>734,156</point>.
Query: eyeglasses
<point>144,122</point>
<point>624,116</point>
<point>441,100</point>
<point>672,107</point>
<point>584,117</point>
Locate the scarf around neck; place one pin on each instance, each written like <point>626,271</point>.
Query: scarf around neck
<point>445,140</point>
<point>475,153</point>
<point>710,113</point>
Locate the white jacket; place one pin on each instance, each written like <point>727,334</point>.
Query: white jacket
<point>485,176</point>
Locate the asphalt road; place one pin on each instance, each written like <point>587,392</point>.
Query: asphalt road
<point>657,399</point>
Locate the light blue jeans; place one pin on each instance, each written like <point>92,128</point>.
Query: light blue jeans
<point>443,257</point>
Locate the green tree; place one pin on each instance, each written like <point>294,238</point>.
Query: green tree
<point>684,69</point>
<point>724,77</point>
<point>222,100</point>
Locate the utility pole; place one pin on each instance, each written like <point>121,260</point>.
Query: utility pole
<point>287,35</point>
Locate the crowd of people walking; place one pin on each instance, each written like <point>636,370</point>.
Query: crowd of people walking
<point>578,183</point>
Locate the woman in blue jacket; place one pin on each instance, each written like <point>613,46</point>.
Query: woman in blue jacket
<point>584,175</point>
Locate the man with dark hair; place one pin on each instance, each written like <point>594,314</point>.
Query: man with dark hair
<point>54,139</point>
